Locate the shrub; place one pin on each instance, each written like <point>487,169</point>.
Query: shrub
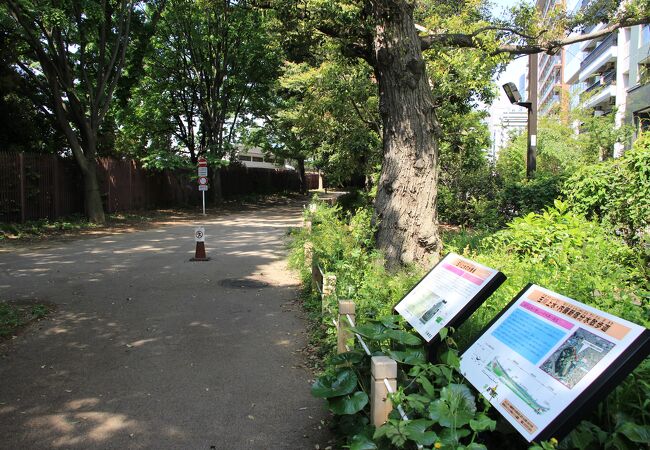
<point>616,192</point>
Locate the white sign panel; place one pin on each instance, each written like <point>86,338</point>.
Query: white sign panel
<point>443,293</point>
<point>203,171</point>
<point>203,187</point>
<point>199,234</point>
<point>541,354</point>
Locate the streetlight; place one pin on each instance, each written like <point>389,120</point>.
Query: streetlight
<point>515,98</point>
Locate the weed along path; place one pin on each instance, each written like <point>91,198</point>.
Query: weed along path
<point>148,350</point>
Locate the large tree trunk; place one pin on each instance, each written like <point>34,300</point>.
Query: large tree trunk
<point>303,175</point>
<point>92,195</point>
<point>405,207</point>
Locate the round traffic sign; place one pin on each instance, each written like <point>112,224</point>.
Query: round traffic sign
<point>203,180</point>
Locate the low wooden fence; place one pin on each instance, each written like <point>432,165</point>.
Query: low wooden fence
<point>37,186</point>
<point>342,315</point>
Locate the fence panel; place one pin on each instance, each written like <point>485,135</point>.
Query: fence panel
<point>10,199</point>
<point>52,187</point>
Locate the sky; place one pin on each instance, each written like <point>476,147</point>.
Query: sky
<point>513,73</point>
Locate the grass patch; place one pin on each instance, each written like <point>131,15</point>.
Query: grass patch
<point>15,316</point>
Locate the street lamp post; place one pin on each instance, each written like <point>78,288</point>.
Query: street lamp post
<point>531,105</point>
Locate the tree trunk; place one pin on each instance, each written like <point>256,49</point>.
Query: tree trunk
<point>405,207</point>
<point>92,196</point>
<point>303,176</point>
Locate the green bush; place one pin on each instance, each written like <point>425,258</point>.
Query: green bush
<point>564,252</point>
<point>557,249</point>
<point>616,191</point>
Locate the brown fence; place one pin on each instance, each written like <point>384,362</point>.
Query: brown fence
<point>35,186</point>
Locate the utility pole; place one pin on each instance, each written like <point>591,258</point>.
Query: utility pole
<point>531,154</point>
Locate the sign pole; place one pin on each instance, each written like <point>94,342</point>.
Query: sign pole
<point>203,179</point>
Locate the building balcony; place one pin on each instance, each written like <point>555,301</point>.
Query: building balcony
<point>602,99</point>
<point>605,79</point>
<point>605,53</point>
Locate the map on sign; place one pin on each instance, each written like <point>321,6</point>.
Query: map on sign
<point>449,288</point>
<point>543,352</point>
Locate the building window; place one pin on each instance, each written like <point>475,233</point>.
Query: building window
<point>257,159</point>
<point>644,71</point>
<point>642,121</point>
<point>645,35</point>
<point>243,157</point>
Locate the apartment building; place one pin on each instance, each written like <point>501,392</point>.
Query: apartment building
<point>614,74</point>
<point>552,80</point>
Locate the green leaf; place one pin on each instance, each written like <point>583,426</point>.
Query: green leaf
<point>371,330</point>
<point>634,432</point>
<point>390,321</point>
<point>362,442</point>
<point>402,337</point>
<point>443,333</point>
<point>409,356</point>
<point>482,423</point>
<point>475,446</point>
<point>415,430</point>
<point>455,407</point>
<point>450,357</point>
<point>348,404</point>
<point>427,386</point>
<point>352,357</point>
<point>343,382</point>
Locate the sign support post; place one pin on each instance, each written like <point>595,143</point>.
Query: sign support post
<point>203,179</point>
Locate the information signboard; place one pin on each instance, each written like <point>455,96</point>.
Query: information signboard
<point>545,358</point>
<point>203,187</point>
<point>448,294</point>
<point>203,171</point>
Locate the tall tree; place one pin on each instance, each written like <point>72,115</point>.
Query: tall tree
<point>211,65</point>
<point>384,33</point>
<point>326,111</point>
<point>74,53</point>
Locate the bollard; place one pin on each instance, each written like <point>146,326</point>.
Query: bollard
<point>199,253</point>
<point>329,290</point>
<point>346,307</point>
<point>380,406</point>
<point>308,249</point>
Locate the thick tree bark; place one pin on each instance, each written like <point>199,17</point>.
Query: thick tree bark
<point>405,207</point>
<point>303,176</point>
<point>92,195</point>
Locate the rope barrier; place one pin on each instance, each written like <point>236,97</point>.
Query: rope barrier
<point>361,341</point>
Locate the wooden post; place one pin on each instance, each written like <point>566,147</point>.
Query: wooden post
<point>381,367</point>
<point>346,308</point>
<point>21,171</point>
<point>329,289</point>
<point>308,249</point>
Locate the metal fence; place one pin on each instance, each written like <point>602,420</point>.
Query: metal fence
<point>37,186</point>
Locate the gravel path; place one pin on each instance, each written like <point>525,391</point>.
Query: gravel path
<point>148,350</point>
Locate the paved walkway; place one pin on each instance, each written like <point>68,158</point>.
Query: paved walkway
<point>148,350</point>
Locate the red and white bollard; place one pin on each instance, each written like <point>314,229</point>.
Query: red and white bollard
<point>199,237</point>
